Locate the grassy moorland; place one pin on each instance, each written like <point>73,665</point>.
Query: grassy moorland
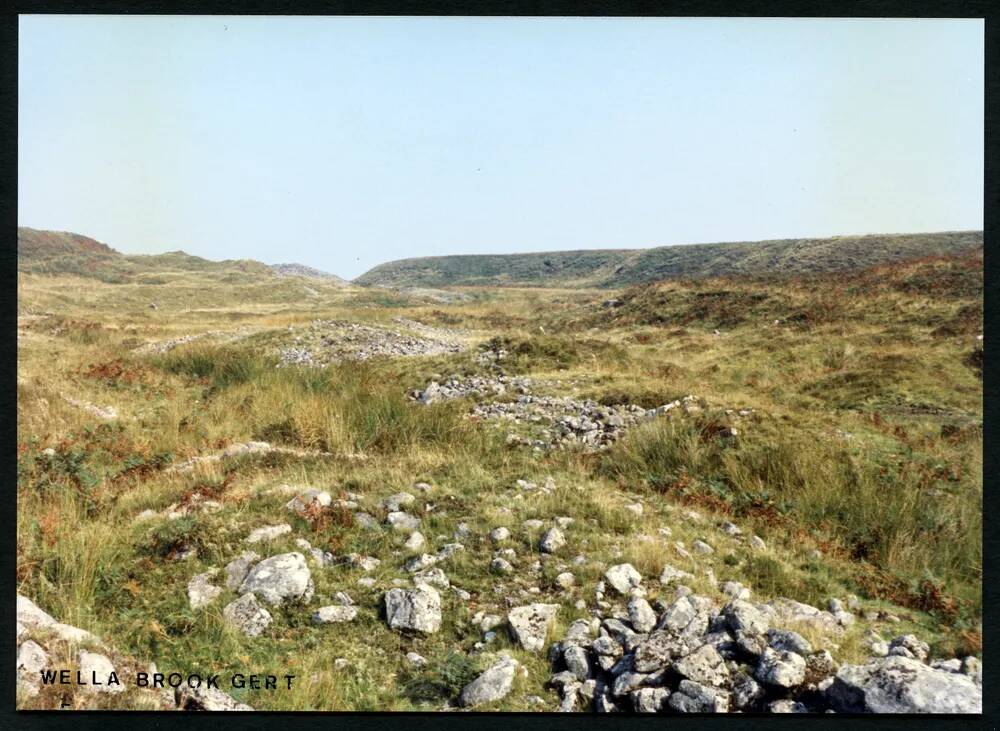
<point>860,465</point>
<point>625,267</point>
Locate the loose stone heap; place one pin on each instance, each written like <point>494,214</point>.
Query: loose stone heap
<point>471,387</point>
<point>324,342</point>
<point>564,421</point>
<point>692,656</point>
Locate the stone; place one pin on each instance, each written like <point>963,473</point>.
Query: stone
<point>402,521</point>
<point>730,529</point>
<point>704,666</point>
<point>31,660</point>
<point>415,659</point>
<point>787,705</point>
<point>623,578</point>
<point>532,524</point>
<point>237,569</point>
<point>641,615</point>
<point>656,652</point>
<point>200,590</point>
<point>671,574</point>
<point>746,691</point>
<point>577,662</point>
<point>30,615</point>
<point>678,615</point>
<point>501,566</point>
<point>565,580</point>
<point>95,665</point>
<point>307,499</point>
<point>434,577</point>
<point>365,520</point>
<point>902,685</point>
<point>492,685</point>
<point>781,669</point>
<point>649,700</point>
<point>268,533</point>
<point>757,543</point>
<point>415,542</point>
<point>702,548</point>
<point>736,590</point>
<point>279,579</point>
<point>414,610</point>
<point>552,541</point>
<point>692,697</point>
<point>912,646</point>
<point>419,563</point>
<point>448,550</point>
<point>334,614</point>
<point>247,615</point>
<point>743,617</point>
<point>784,640</point>
<point>529,624</point>
<point>634,508</point>
<point>499,535</point>
<point>394,503</point>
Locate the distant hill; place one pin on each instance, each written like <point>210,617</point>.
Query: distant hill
<point>622,267</point>
<point>60,252</point>
<point>301,270</point>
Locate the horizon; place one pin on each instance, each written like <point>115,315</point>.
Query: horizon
<point>345,143</point>
<point>519,253</point>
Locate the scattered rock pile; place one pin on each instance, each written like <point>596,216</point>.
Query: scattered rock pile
<point>472,387</point>
<point>692,656</point>
<point>240,449</point>
<point>43,644</point>
<point>101,412</point>
<point>563,421</point>
<point>324,342</point>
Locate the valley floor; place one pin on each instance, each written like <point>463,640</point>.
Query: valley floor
<point>387,495</point>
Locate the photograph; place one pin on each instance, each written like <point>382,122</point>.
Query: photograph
<point>425,364</point>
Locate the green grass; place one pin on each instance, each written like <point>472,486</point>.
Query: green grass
<point>865,442</point>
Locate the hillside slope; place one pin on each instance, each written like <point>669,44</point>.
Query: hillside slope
<point>621,267</point>
<point>60,252</point>
<point>307,272</point>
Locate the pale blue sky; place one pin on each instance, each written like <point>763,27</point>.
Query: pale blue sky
<point>346,142</point>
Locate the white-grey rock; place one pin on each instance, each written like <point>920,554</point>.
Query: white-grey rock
<point>501,566</point>
<point>402,521</point>
<point>201,592</point>
<point>671,574</point>
<point>902,685</point>
<point>499,535</point>
<point>268,533</point>
<point>693,697</point>
<point>95,665</point>
<point>31,660</point>
<point>641,615</point>
<point>415,542</point>
<point>704,666</point>
<point>702,548</point>
<point>492,685</point>
<point>781,669</point>
<point>307,499</point>
<point>529,624</point>
<point>279,579</point>
<point>649,700</point>
<point>247,615</point>
<point>394,503</point>
<point>237,569</point>
<point>334,614</point>
<point>552,541</point>
<point>416,610</point>
<point>623,578</point>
